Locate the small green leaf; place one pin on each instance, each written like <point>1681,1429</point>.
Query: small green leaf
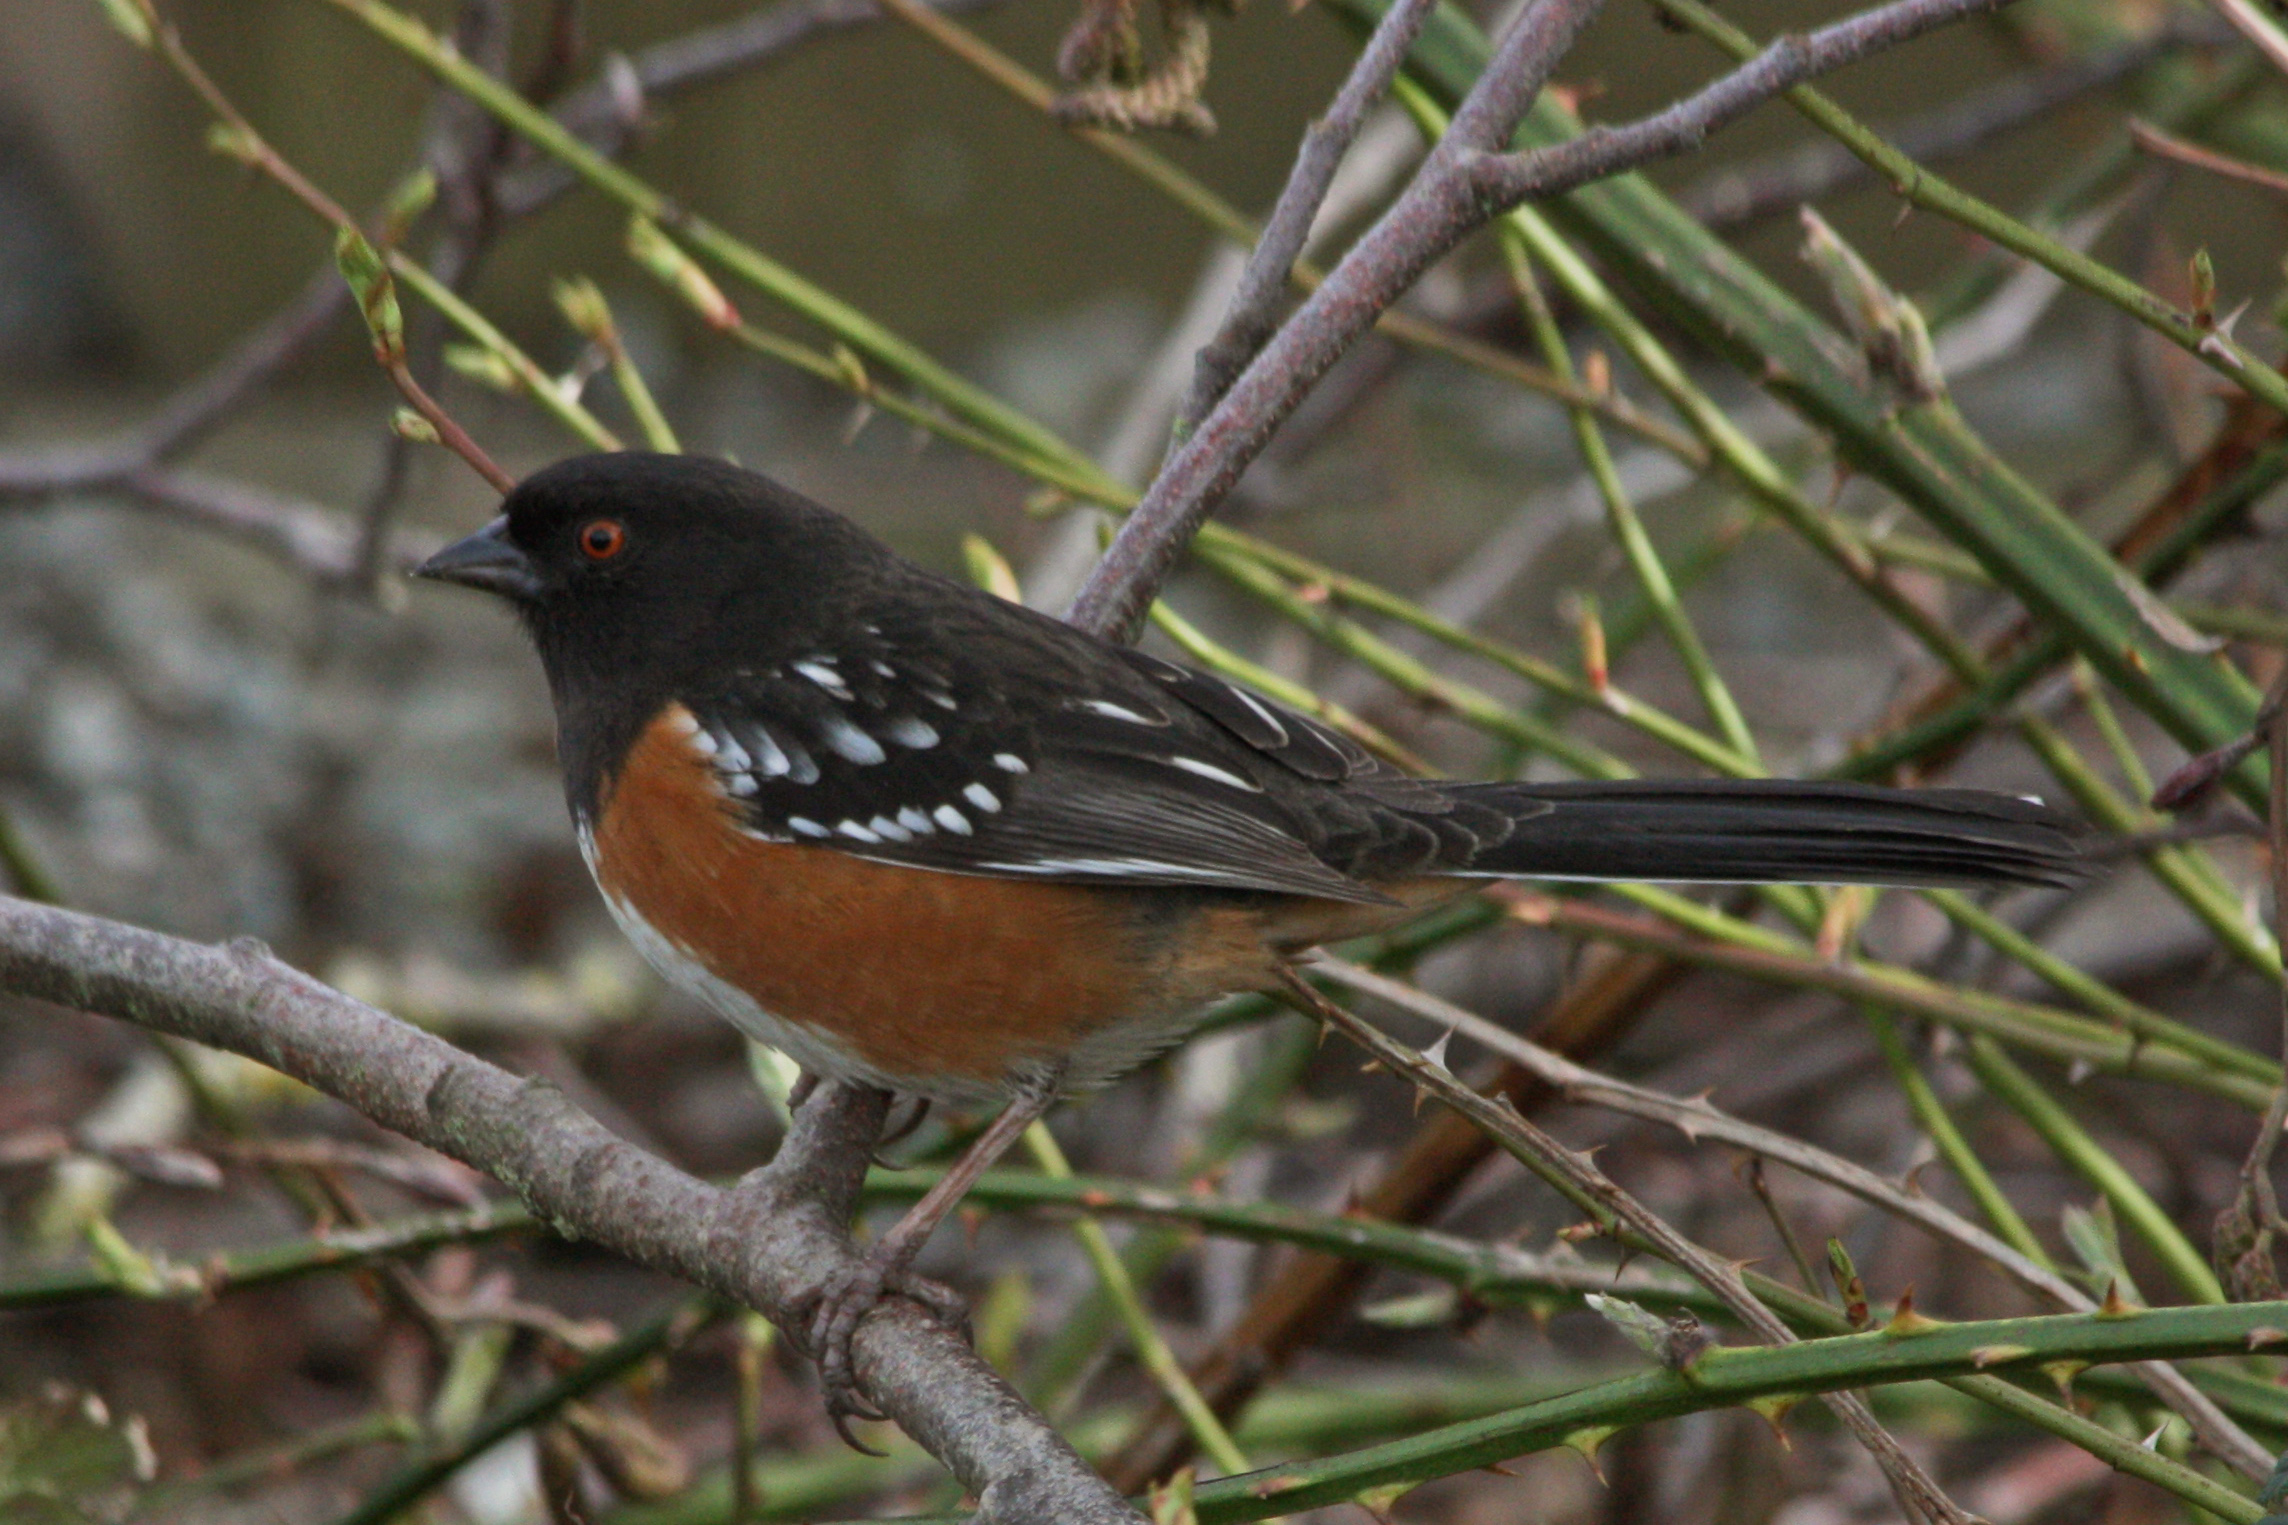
<point>1646,1330</point>
<point>1890,332</point>
<point>412,197</point>
<point>129,1269</point>
<point>234,142</point>
<point>131,18</point>
<point>1433,1309</point>
<point>989,569</point>
<point>409,425</point>
<point>65,1461</point>
<point>1172,1500</point>
<point>660,255</point>
<point>361,265</point>
<point>583,307</point>
<point>483,365</point>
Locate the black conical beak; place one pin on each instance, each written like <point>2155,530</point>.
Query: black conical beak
<point>489,560</point>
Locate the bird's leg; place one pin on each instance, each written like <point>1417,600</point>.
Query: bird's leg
<point>900,1128</point>
<point>851,1293</point>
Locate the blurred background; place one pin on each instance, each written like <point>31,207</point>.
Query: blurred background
<point>198,737</point>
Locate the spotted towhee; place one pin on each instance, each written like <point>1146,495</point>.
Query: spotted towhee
<point>920,838</point>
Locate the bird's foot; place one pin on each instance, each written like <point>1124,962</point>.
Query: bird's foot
<point>844,1303</point>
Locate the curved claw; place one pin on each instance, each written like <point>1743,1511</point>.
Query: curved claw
<point>843,1304</point>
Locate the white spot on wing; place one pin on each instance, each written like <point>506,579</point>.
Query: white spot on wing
<point>982,797</point>
<point>1111,711</point>
<point>1126,868</point>
<point>1010,762</point>
<point>802,768</point>
<point>943,701</point>
<point>741,784</point>
<point>704,743</point>
<point>820,670</point>
<point>1210,770</point>
<point>952,820</point>
<point>851,742</point>
<point>1262,713</point>
<point>883,826</point>
<point>683,720</point>
<point>907,731</point>
<point>915,821</point>
<point>770,758</point>
<point>853,830</point>
<point>805,826</point>
<point>730,756</point>
<point>883,669</point>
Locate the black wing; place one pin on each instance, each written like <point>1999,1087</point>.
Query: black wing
<point>987,739</point>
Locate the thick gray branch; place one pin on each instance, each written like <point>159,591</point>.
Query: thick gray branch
<point>769,1242</point>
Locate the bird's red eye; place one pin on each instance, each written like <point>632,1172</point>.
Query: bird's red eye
<point>603,539</point>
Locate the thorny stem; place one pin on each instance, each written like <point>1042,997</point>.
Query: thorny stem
<point>1698,1119</point>
<point>1576,1177</point>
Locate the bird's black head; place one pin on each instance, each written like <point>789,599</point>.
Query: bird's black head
<point>632,569</point>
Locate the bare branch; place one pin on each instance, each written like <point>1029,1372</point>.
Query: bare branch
<point>770,1242</point>
<point>197,407</point>
<point>312,540</point>
<point>1602,152</point>
<point>1738,194</point>
<point>1466,181</point>
<point>1264,282</point>
<point>1429,218</point>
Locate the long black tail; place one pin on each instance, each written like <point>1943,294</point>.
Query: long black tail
<point>1761,831</point>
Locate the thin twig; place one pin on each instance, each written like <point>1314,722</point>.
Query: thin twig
<point>1429,217</point>
<point>1576,1176</point>
<point>2258,28</point>
<point>1603,152</point>
<point>1254,306</point>
<point>198,406</point>
<point>243,142</point>
<point>2169,146</point>
<point>1698,1119</point>
<point>465,149</point>
<point>1749,192</point>
<point>1466,180</point>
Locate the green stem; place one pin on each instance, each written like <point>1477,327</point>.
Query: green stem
<point>2072,1143</point>
<point>1621,514</point>
<point>1952,1146</point>
<point>1143,1336</point>
<point>414,1481</point>
<point>541,386</point>
<point>31,881</point>
<point>1923,188</point>
<point>847,323</point>
<point>1734,1376</point>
